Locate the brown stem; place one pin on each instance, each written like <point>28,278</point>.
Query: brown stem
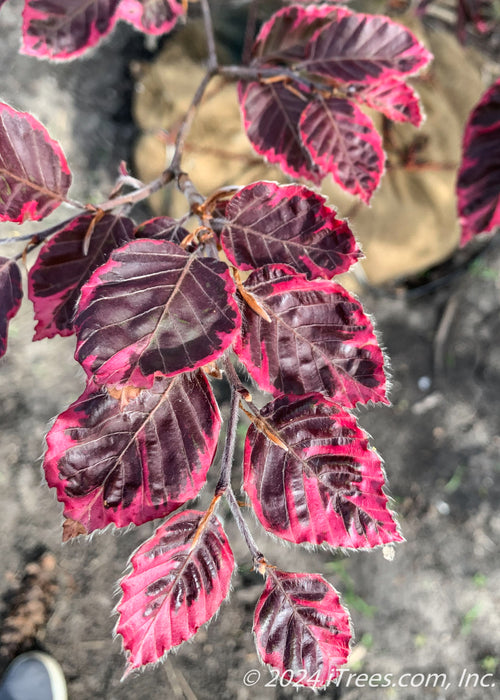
<point>188,120</point>
<point>173,172</point>
<point>260,74</point>
<point>194,198</point>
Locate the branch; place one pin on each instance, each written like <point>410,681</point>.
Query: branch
<point>240,388</point>
<point>257,556</point>
<point>224,484</point>
<point>138,195</point>
<point>275,73</point>
<point>188,120</point>
<point>228,455</point>
<point>209,31</point>
<point>173,171</point>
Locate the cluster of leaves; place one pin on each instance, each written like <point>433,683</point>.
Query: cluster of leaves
<point>157,310</point>
<point>329,62</point>
<point>150,316</point>
<point>62,29</point>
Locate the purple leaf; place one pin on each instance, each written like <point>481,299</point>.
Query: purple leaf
<point>34,175</point>
<point>318,339</point>
<point>284,37</point>
<point>343,141</point>
<point>133,456</point>
<point>301,629</point>
<point>154,309</point>
<point>62,268</point>
<point>327,488</point>
<point>478,184</point>
<point>268,223</point>
<point>392,97</point>
<point>63,29</point>
<point>151,16</point>
<point>179,579</point>
<point>162,228</point>
<point>271,115</point>
<point>11,294</point>
<point>362,48</point>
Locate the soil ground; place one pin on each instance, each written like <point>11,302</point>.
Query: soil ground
<point>434,609</point>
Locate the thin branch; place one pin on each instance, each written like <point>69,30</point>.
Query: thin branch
<point>173,171</point>
<point>257,556</point>
<point>34,239</point>
<point>228,454</point>
<point>74,203</point>
<point>210,35</point>
<point>240,388</point>
<point>140,194</point>
<point>188,120</point>
<point>224,485</point>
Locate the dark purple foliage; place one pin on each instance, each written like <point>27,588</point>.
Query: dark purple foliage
<point>271,116</point>
<point>64,29</point>
<point>34,174</point>
<point>153,309</point>
<point>268,222</point>
<point>286,35</point>
<point>317,339</point>
<point>395,99</point>
<point>162,228</point>
<point>152,16</point>
<point>11,294</point>
<point>363,49</point>
<point>301,628</point>
<point>65,264</point>
<point>133,456</point>
<point>158,308</point>
<point>307,121</point>
<point>343,142</point>
<point>327,487</point>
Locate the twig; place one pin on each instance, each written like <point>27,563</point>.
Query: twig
<point>194,198</point>
<point>224,485</point>
<point>186,123</point>
<point>209,32</point>
<point>173,172</point>
<point>133,197</point>
<point>228,454</point>
<point>257,556</point>
<point>261,74</point>
<point>241,389</point>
